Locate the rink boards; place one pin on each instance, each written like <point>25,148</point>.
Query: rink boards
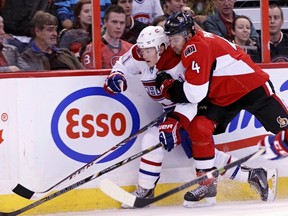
<point>53,123</point>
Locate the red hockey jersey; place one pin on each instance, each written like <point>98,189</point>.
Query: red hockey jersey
<point>221,69</point>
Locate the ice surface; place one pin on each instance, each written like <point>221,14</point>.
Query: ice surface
<point>243,208</point>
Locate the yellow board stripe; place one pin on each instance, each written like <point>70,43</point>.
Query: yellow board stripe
<point>92,199</point>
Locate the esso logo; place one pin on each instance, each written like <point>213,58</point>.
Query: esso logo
<point>89,122</point>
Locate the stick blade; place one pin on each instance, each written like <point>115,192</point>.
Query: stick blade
<point>5,214</point>
<point>23,191</point>
<point>117,193</point>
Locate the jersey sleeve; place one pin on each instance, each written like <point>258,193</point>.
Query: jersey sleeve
<point>198,60</point>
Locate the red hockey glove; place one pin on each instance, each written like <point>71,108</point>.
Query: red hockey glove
<point>115,83</point>
<point>161,77</point>
<point>166,86</point>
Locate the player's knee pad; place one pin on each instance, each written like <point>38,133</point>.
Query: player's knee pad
<point>200,131</point>
<point>151,138</point>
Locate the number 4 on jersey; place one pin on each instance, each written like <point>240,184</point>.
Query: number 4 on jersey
<point>195,67</point>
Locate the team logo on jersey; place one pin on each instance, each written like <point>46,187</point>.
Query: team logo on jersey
<point>190,50</point>
<point>142,17</point>
<point>150,87</point>
<point>283,122</point>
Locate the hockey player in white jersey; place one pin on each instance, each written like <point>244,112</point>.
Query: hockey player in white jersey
<point>152,57</point>
<point>146,10</point>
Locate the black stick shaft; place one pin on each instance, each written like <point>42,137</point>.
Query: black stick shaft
<point>27,193</point>
<point>81,182</point>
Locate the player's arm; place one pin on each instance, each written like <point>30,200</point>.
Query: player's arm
<point>182,92</point>
<point>197,75</point>
<point>126,66</point>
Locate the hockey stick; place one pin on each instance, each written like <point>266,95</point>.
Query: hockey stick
<point>81,182</point>
<point>117,193</point>
<point>29,194</point>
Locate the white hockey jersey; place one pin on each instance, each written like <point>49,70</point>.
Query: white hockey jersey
<point>146,10</point>
<point>131,63</point>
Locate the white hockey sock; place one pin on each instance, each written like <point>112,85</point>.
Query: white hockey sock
<point>236,173</point>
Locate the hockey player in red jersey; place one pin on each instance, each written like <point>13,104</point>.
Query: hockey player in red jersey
<point>222,79</point>
<point>149,57</point>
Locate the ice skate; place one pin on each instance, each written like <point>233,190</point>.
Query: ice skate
<point>259,181</point>
<point>204,195</point>
<point>140,192</point>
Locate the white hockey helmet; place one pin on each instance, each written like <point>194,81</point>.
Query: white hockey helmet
<point>152,36</point>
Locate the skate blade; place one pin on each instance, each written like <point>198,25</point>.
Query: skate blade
<point>272,177</point>
<point>206,202</point>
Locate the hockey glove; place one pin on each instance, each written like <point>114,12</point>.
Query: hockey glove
<point>275,145</point>
<point>115,83</point>
<point>165,87</point>
<point>169,133</point>
<point>160,78</point>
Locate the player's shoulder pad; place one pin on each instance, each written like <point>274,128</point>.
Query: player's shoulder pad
<point>168,60</point>
<point>198,43</point>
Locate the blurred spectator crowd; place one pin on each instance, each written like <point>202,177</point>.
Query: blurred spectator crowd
<point>40,35</point>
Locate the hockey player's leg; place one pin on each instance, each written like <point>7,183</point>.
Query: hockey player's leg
<point>257,178</point>
<point>150,166</point>
<point>273,115</point>
<point>276,146</point>
<point>200,131</point>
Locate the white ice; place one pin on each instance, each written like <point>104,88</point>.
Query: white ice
<point>243,208</point>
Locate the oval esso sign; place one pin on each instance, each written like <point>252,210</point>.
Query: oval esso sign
<point>89,122</point>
